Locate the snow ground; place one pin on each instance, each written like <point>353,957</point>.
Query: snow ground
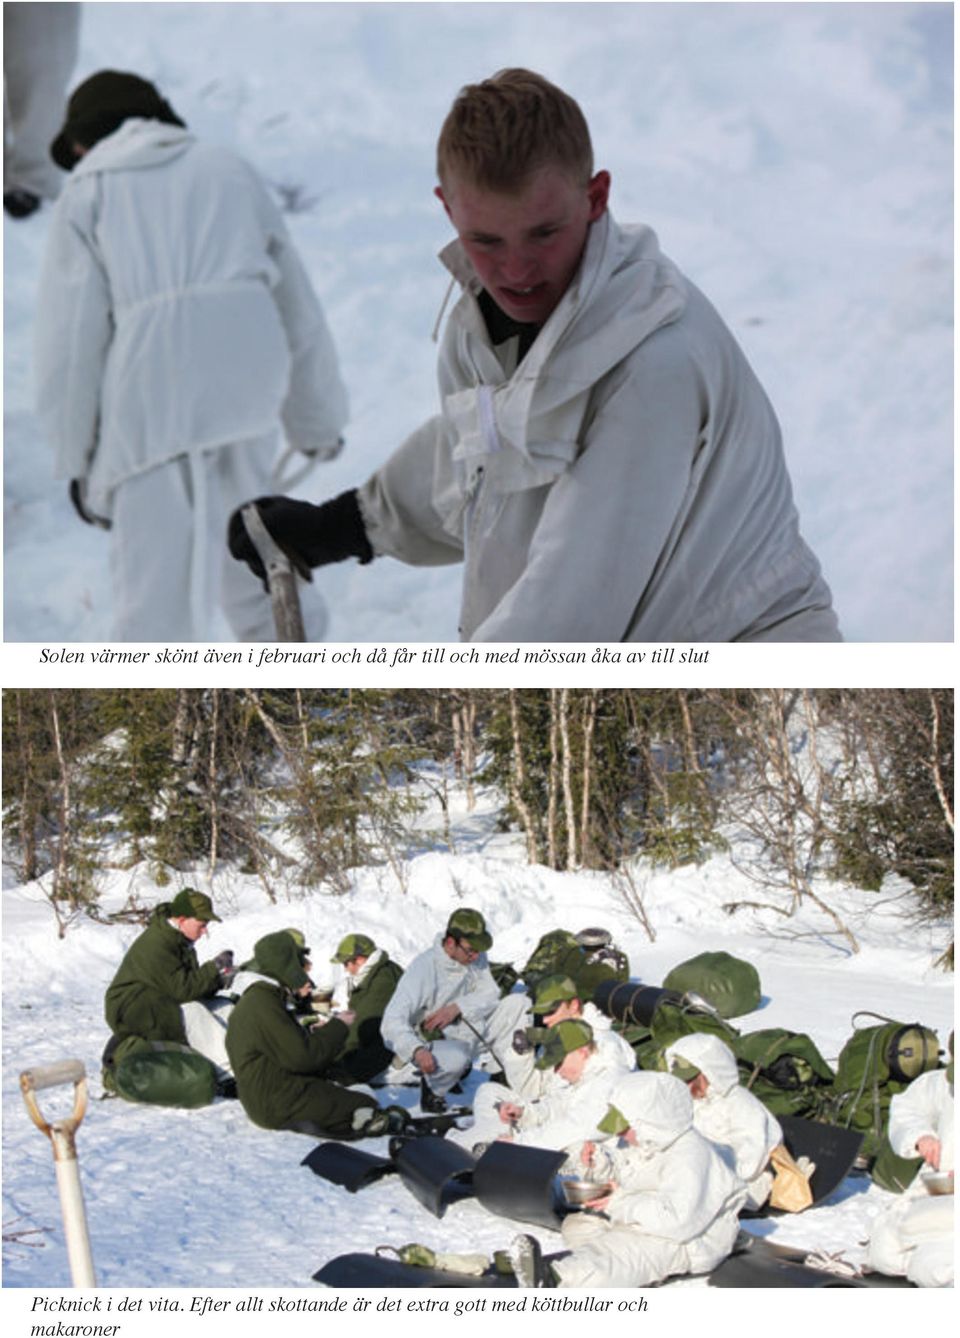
<point>203,1199</point>
<point>795,159</point>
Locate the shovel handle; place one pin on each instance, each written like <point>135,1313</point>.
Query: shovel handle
<point>281,579</point>
<point>53,1075</point>
<point>56,1075</point>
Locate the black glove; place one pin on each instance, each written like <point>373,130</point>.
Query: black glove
<point>311,536</point>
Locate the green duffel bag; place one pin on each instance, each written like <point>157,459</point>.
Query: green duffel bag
<point>784,1070</point>
<point>670,1021</point>
<point>731,985</point>
<point>875,1064</point>
<point>166,1075</point>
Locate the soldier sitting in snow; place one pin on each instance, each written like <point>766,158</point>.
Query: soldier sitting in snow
<point>575,1101</point>
<point>727,1113</point>
<point>447,1008</point>
<point>666,1202</point>
<point>370,981</point>
<point>556,1000</point>
<point>914,1237</point>
<point>605,463</point>
<point>279,1064</point>
<point>159,973</point>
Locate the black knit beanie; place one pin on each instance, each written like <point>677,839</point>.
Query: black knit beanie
<point>100,105</point>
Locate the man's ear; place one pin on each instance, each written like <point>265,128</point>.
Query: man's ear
<point>438,192</point>
<point>598,193</point>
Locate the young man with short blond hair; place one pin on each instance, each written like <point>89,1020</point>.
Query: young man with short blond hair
<point>605,463</point>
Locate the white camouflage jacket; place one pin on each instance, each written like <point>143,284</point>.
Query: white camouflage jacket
<point>430,981</point>
<point>174,314</point>
<point>625,482</point>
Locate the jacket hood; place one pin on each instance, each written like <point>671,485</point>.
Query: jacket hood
<point>278,957</point>
<point>715,1061</point>
<point>136,144</point>
<point>526,429</point>
<point>658,1107</point>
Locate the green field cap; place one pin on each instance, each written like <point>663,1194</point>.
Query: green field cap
<point>614,1122</point>
<point>189,904</point>
<point>561,1040</point>
<point>553,990</point>
<point>470,924</point>
<point>354,945</point>
<point>682,1068</point>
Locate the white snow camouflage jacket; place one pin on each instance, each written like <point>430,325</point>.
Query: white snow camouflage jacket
<point>924,1107</point>
<point>674,1183</point>
<point>430,981</point>
<point>625,482</point>
<point>174,314</point>
<point>729,1115</point>
<point>568,1112</point>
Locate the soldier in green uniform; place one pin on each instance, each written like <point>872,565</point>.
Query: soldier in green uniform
<point>278,1062</point>
<point>371,978</point>
<point>159,973</point>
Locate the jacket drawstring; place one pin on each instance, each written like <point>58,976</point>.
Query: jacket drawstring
<point>443,307</point>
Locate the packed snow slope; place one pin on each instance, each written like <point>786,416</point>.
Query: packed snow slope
<point>203,1198</point>
<point>794,159</point>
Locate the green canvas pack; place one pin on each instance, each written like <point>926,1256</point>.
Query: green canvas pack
<point>784,1070</point>
<point>875,1064</point>
<point>559,954</point>
<point>669,1022</point>
<point>730,984</point>
<point>166,1074</point>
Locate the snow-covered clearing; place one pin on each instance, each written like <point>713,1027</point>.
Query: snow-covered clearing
<point>204,1199</point>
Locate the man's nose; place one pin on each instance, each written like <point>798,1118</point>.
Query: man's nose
<point>519,267</point>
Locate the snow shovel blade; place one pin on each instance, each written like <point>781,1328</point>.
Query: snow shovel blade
<point>281,578</point>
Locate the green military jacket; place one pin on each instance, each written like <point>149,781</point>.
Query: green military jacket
<point>276,1061</point>
<point>159,972</point>
<point>368,999</point>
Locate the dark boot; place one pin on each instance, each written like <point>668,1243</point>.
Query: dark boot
<point>430,1103</point>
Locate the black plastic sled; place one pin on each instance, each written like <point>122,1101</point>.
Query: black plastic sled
<point>756,1262</point>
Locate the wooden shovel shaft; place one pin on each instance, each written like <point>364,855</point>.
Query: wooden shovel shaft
<point>281,578</point>
<point>62,1135</point>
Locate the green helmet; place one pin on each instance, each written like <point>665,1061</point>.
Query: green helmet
<point>469,924</point>
<point>354,945</point>
<point>561,1040</point>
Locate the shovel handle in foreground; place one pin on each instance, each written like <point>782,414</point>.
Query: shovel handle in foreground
<point>62,1135</point>
<point>281,578</point>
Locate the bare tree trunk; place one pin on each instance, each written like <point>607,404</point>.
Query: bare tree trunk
<point>589,725</point>
<point>567,778</point>
<point>553,781</point>
<point>61,877</point>
<point>212,782</point>
<point>938,785</point>
<point>518,779</point>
